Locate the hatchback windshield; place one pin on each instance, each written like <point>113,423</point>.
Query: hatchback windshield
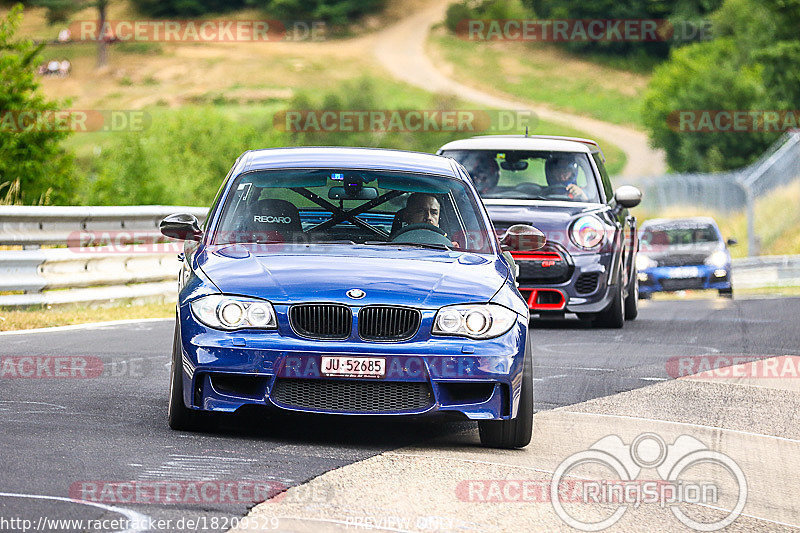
<point>372,208</point>
<point>679,236</point>
<point>527,175</point>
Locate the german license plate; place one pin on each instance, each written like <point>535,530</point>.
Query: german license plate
<point>354,367</point>
<point>684,272</point>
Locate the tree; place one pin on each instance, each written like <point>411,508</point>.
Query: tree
<point>29,154</point>
<point>752,65</point>
<point>61,10</point>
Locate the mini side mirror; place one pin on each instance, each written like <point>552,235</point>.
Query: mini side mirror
<point>628,196</point>
<point>523,238</point>
<point>732,242</point>
<point>181,226</point>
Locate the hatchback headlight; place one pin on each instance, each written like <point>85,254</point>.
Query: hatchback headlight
<point>232,312</point>
<point>643,262</point>
<point>476,321</point>
<point>587,232</point>
<point>717,259</point>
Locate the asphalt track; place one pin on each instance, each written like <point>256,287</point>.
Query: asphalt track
<point>57,432</point>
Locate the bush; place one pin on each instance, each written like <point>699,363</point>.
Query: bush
<point>482,9</point>
<point>185,8</point>
<point>180,160</point>
<point>32,161</point>
<point>673,10</point>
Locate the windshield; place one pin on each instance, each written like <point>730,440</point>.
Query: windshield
<point>372,208</point>
<point>679,236</point>
<point>526,175</point>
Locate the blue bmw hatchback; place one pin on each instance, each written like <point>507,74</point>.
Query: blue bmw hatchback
<point>352,282</point>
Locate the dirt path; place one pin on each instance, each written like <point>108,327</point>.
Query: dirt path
<point>401,50</point>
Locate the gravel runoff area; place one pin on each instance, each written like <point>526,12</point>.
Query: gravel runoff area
<point>745,412</point>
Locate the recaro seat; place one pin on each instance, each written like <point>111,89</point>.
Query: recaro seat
<point>273,220</point>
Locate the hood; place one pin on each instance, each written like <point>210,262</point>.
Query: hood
<point>550,217</point>
<point>681,254</point>
<point>388,275</point>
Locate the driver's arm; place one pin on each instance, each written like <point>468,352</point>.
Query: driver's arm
<point>576,192</point>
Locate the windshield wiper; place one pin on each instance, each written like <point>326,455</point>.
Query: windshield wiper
<point>433,246</point>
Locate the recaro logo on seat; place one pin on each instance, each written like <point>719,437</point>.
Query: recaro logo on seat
<point>273,220</point>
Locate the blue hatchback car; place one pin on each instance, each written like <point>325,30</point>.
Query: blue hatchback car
<point>684,254</point>
<point>352,282</point>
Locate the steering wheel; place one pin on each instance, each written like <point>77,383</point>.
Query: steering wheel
<point>557,192</point>
<point>421,226</point>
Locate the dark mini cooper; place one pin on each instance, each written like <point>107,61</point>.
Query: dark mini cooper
<point>562,187</point>
<point>352,282</point>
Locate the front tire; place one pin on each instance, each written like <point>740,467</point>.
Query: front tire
<point>180,417</point>
<point>517,432</point>
<point>613,316</point>
<point>726,293</point>
<point>632,300</point>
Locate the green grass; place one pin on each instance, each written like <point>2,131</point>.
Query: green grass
<point>45,317</point>
<point>545,74</point>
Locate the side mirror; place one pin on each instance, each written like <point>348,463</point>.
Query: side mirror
<point>732,242</point>
<point>523,238</point>
<point>181,226</point>
<point>628,196</point>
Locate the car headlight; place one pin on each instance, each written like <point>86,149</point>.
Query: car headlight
<point>587,232</point>
<point>232,312</point>
<point>643,262</point>
<point>717,259</point>
<point>476,321</point>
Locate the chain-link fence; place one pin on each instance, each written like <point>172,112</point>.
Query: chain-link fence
<point>727,192</point>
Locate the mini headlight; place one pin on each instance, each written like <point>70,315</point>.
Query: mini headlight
<point>587,232</point>
<point>476,321</point>
<point>643,262</point>
<point>717,259</point>
<point>231,312</point>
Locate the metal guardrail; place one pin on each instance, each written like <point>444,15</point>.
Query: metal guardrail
<point>36,226</point>
<point>766,271</point>
<point>85,274</point>
<point>101,262</point>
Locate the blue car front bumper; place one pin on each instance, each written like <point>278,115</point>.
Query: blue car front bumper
<point>223,371</point>
<point>678,278</point>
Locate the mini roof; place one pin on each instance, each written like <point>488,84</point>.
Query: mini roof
<point>521,142</point>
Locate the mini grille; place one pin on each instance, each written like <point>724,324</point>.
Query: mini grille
<point>587,283</point>
<point>352,396</point>
<point>321,321</point>
<point>387,323</point>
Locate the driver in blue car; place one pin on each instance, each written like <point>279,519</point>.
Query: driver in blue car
<point>562,173</point>
<point>423,208</point>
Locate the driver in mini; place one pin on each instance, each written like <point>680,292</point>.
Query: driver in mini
<point>483,169</point>
<point>562,172</point>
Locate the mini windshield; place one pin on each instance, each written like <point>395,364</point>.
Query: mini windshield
<point>530,175</point>
<point>679,236</point>
<point>370,208</point>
